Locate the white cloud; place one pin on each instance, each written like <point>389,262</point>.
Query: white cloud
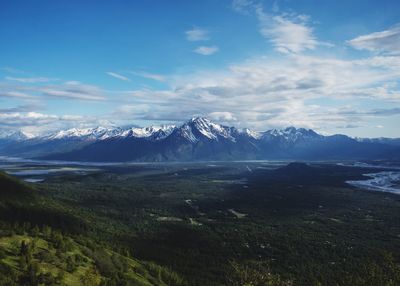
<point>54,92</point>
<point>222,116</point>
<point>260,93</point>
<point>72,90</point>
<point>118,76</point>
<point>384,41</point>
<point>242,6</point>
<point>16,119</point>
<point>41,123</point>
<point>28,79</point>
<point>274,92</point>
<point>153,76</point>
<point>197,34</point>
<point>287,32</point>
<point>15,94</point>
<point>12,70</point>
<point>206,50</point>
<point>20,108</point>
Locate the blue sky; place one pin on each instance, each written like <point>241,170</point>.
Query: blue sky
<point>333,66</point>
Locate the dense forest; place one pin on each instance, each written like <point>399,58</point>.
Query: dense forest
<point>194,224</point>
<point>41,244</point>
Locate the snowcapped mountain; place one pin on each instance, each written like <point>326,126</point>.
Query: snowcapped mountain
<point>291,134</point>
<point>194,130</point>
<point>98,133</point>
<point>199,128</point>
<point>15,135</point>
<point>197,139</point>
<point>103,133</point>
<point>250,133</point>
<point>151,132</point>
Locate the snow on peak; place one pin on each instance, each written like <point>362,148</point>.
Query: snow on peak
<point>250,133</point>
<point>291,133</point>
<point>153,132</point>
<point>187,133</point>
<point>194,130</point>
<point>162,132</point>
<point>209,129</point>
<point>15,135</point>
<point>84,133</point>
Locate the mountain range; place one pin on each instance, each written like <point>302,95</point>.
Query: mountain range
<point>198,139</point>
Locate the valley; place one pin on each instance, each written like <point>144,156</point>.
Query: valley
<point>211,222</point>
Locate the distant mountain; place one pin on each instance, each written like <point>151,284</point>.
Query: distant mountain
<point>195,140</point>
<point>152,133</point>
<point>73,139</point>
<point>14,136</point>
<point>383,140</point>
<point>97,133</point>
<point>290,135</point>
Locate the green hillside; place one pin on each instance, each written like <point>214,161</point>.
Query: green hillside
<point>23,204</point>
<point>40,246</point>
<point>12,190</point>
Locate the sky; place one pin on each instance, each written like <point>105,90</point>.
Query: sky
<point>333,66</point>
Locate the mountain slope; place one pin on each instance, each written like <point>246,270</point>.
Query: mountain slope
<point>39,245</point>
<point>14,192</point>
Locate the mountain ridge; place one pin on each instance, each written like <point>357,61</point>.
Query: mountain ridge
<point>196,139</point>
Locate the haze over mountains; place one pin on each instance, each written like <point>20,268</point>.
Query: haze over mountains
<point>198,139</point>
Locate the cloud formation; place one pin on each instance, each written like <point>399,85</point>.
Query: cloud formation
<point>28,79</point>
<point>387,41</point>
<point>19,108</point>
<point>206,50</point>
<point>118,76</point>
<point>65,90</point>
<point>72,90</point>
<point>242,6</point>
<point>15,94</point>
<point>261,93</point>
<point>287,32</point>
<point>267,92</point>
<point>38,123</point>
<point>197,34</point>
<point>152,76</point>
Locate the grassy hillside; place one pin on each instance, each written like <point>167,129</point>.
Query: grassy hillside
<point>49,258</point>
<point>39,245</point>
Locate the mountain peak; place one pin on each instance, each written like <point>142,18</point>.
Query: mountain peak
<point>15,135</point>
<point>152,132</point>
<point>250,133</point>
<point>292,129</point>
<point>98,132</point>
<point>204,127</point>
<point>291,133</point>
<point>200,119</point>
